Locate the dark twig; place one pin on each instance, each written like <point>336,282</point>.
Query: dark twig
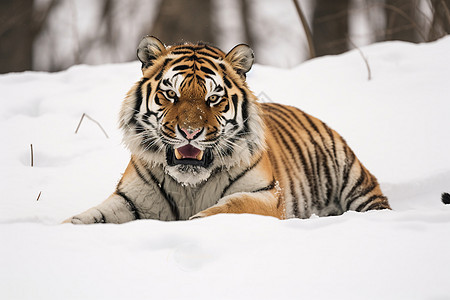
<point>32,156</point>
<point>369,73</point>
<point>312,51</point>
<point>39,196</point>
<point>96,122</point>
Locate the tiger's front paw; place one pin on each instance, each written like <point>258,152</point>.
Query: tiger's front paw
<point>197,216</point>
<point>208,212</point>
<point>91,216</point>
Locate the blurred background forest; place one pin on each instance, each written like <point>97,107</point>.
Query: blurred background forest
<point>52,35</point>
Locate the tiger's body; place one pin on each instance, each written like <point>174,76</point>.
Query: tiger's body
<point>201,144</point>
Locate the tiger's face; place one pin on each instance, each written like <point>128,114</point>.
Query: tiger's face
<point>192,112</point>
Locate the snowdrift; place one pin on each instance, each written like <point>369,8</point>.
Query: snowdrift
<point>397,123</point>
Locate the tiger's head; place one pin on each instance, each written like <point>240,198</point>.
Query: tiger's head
<point>192,112</point>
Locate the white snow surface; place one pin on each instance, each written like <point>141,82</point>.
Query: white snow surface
<point>397,123</point>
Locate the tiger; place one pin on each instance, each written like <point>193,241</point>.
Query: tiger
<point>202,144</point>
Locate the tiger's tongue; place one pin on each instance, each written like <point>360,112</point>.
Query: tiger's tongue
<point>189,151</point>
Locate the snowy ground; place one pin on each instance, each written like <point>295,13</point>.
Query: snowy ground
<point>397,123</point>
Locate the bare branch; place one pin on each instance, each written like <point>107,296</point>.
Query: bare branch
<point>96,122</point>
<point>39,196</point>
<point>312,51</point>
<point>369,73</point>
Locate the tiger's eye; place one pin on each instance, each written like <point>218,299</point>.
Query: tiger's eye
<point>171,94</point>
<point>213,98</point>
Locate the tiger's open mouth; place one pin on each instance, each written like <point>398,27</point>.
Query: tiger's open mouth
<point>189,155</point>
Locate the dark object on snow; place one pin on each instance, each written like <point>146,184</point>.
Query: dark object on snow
<point>445,198</point>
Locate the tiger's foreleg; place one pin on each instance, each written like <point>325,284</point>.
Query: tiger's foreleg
<point>115,209</point>
<point>267,203</point>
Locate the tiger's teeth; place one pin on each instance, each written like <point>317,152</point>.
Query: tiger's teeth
<point>200,156</point>
<point>177,154</point>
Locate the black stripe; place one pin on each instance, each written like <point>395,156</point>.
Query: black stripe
<point>331,156</point>
<point>168,129</point>
<point>325,148</point>
<point>181,67</point>
<point>321,164</point>
<point>132,207</point>
<point>362,177</point>
<point>156,99</point>
<point>292,191</point>
<point>266,188</point>
<point>181,52</point>
<point>232,181</point>
<point>149,90</point>
<point>305,166</point>
<point>316,129</point>
<point>138,100</point>
<point>178,60</point>
<point>227,82</point>
<point>169,199</point>
<point>379,205</point>
<point>368,201</point>
<point>207,70</point>
<point>172,204</point>
<point>207,60</point>
<point>314,164</point>
<point>199,79</point>
<point>234,98</point>
<point>362,193</point>
<point>207,54</point>
<point>244,112</point>
<point>192,57</point>
<point>103,219</point>
<point>333,145</point>
<point>213,131</point>
<point>185,48</point>
<point>158,77</point>
<point>348,165</point>
<point>301,166</point>
<point>139,172</point>
<point>225,109</point>
<point>213,49</point>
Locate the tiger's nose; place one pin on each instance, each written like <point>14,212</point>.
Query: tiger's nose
<point>189,133</point>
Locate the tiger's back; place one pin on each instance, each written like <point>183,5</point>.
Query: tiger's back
<point>317,171</point>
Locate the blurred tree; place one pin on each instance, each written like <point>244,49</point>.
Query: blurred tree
<point>402,20</point>
<point>440,24</point>
<point>306,28</point>
<point>33,28</point>
<point>181,20</point>
<point>330,26</point>
<point>248,35</point>
<point>20,23</point>
<point>16,35</point>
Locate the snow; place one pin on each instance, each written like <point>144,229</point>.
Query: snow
<point>397,123</point>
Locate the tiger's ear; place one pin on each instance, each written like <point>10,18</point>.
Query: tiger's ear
<point>241,58</point>
<point>149,49</point>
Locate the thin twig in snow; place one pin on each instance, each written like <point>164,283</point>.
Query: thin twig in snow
<point>369,73</point>
<point>32,156</point>
<point>96,122</point>
<point>39,196</point>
